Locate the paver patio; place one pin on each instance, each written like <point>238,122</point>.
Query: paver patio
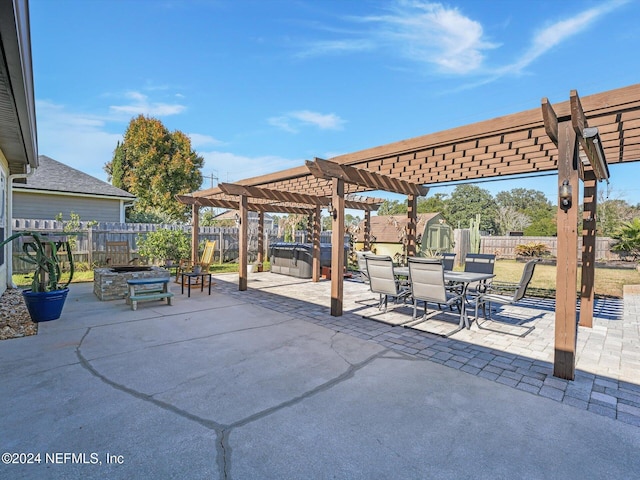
<point>266,384</point>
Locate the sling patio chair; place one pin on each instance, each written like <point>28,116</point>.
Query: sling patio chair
<point>478,263</point>
<point>383,281</point>
<point>427,283</point>
<point>519,290</point>
<point>206,259</point>
<point>362,265</point>
<point>448,260</point>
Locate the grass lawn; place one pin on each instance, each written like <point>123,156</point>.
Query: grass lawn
<point>24,280</point>
<point>608,281</point>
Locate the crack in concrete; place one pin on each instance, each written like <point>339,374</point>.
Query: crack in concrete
<point>223,431</point>
<point>176,342</point>
<point>348,374</point>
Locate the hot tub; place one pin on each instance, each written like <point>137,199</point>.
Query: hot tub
<point>110,283</point>
<point>296,259</point>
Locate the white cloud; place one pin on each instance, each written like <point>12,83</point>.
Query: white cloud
<point>231,167</point>
<point>140,105</point>
<point>558,32</point>
<point>75,139</point>
<point>323,121</point>
<point>431,33</point>
<point>293,121</point>
<point>199,140</point>
<point>421,31</point>
<point>283,123</point>
<point>329,47</point>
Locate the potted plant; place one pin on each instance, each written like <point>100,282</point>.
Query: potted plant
<point>45,299</point>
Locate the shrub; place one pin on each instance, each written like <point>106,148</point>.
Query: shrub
<point>532,249</point>
<point>165,245</point>
<point>628,236</point>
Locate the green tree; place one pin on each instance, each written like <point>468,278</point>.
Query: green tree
<point>392,207</point>
<point>155,164</point>
<point>466,202</point>
<point>523,199</point>
<point>433,204</point>
<point>543,227</point>
<point>534,205</point>
<point>611,213</point>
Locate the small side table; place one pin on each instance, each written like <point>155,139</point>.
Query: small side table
<point>189,276</point>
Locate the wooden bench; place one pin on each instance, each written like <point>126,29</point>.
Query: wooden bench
<point>158,293</point>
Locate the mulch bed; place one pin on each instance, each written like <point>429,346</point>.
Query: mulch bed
<point>15,321</point>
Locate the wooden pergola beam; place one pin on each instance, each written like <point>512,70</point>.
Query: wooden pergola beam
<point>269,194</point>
<point>550,121</point>
<point>579,121</point>
<point>327,170</point>
<point>234,205</point>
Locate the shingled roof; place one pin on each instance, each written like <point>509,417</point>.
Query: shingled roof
<point>52,175</point>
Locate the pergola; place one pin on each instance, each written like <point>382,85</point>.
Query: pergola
<point>577,138</point>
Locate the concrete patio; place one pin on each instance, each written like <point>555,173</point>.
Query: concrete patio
<point>265,384</point>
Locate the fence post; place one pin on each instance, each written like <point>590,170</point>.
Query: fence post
<point>90,246</point>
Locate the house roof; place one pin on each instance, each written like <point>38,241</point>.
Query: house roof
<point>53,176</point>
<point>17,106</point>
<point>388,228</point>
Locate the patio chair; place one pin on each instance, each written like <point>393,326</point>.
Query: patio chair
<point>206,259</point>
<point>478,263</point>
<point>362,265</point>
<point>426,279</point>
<point>519,291</point>
<point>118,254</point>
<point>448,260</point>
<point>383,281</point>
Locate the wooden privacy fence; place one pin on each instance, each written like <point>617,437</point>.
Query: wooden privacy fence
<point>90,243</point>
<point>505,247</point>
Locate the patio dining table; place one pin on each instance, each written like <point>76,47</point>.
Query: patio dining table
<point>462,278</point>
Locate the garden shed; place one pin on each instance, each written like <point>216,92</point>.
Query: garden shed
<point>388,234</point>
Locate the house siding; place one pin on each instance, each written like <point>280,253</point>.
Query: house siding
<point>4,214</point>
<point>46,206</point>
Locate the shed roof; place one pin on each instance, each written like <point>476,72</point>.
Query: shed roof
<point>54,176</point>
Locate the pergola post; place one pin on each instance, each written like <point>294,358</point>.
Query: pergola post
<point>315,273</point>
<point>567,255</point>
<point>337,246</point>
<point>195,232</point>
<point>588,248</point>
<point>412,208</point>
<point>243,243</point>
<point>260,239</point>
<point>367,230</point>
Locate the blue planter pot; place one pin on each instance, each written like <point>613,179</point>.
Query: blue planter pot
<point>45,306</point>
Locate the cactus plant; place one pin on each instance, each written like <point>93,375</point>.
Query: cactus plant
<point>474,234</point>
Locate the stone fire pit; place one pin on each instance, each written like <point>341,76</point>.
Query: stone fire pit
<point>111,283</point>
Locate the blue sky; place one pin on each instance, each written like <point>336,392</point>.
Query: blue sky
<point>262,85</point>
